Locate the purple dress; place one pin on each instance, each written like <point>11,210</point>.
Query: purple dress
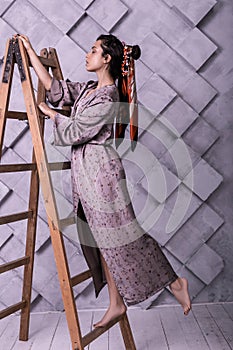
<point>106,220</point>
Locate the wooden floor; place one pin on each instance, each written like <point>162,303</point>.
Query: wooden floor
<point>162,328</point>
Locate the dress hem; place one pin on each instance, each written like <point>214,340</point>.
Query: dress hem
<point>152,293</point>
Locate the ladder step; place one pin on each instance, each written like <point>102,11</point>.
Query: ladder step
<point>48,62</point>
<point>17,115</point>
<point>95,333</point>
<point>11,168</point>
<point>11,309</point>
<point>67,222</point>
<point>80,278</point>
<point>16,217</point>
<point>65,112</point>
<point>14,264</point>
<point>23,115</point>
<point>59,166</point>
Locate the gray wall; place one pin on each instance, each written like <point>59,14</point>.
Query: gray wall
<point>182,166</point>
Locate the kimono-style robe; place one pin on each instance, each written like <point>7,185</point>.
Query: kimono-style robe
<point>106,219</point>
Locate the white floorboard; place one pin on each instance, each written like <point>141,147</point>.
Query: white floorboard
<point>207,327</point>
<point>210,330</point>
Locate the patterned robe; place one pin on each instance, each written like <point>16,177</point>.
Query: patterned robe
<point>106,220</point>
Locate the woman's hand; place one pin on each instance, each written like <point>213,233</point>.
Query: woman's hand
<point>46,110</point>
<point>26,42</point>
<point>40,70</point>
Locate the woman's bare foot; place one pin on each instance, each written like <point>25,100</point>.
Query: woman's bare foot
<point>179,288</point>
<point>111,314</point>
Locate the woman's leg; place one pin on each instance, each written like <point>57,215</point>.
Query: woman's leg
<point>116,306</point>
<point>179,289</point>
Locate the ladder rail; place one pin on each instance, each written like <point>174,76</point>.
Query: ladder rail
<point>5,88</point>
<point>32,222</point>
<point>40,174</point>
<point>50,206</point>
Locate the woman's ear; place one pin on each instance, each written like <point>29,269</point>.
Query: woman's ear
<point>107,58</point>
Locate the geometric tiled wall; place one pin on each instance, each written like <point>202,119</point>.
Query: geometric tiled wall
<point>171,180</point>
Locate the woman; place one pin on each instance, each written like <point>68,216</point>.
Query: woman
<point>115,246</point>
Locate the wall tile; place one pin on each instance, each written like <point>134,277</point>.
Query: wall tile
<point>156,94</point>
<point>70,54</point>
<point>213,263</point>
<point>86,32</point>
<point>5,233</point>
<point>69,9</point>
<point>194,10</point>
<point>197,230</point>
<point>203,180</point>
<point>157,139</point>
<point>206,93</point>
<point>6,33</point>
<point>178,116</point>
<point>25,18</point>
<point>4,191</point>
<point>160,182</point>
<point>201,136</point>
<point>187,48</point>
<point>84,3</point>
<point>101,12</point>
<point>180,158</point>
<point>180,73</point>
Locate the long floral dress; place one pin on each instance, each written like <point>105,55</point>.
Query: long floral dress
<point>106,219</point>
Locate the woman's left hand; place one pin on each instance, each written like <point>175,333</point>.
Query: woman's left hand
<point>46,110</point>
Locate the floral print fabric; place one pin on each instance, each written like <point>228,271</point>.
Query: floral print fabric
<point>108,222</point>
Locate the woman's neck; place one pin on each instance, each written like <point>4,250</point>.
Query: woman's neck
<point>104,79</point>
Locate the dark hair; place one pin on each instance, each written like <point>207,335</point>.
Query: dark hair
<point>112,46</point>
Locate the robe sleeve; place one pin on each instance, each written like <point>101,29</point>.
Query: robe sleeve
<point>84,126</point>
<point>63,92</point>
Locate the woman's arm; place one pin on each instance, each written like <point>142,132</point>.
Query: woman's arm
<point>40,70</point>
<point>47,111</point>
<point>85,126</point>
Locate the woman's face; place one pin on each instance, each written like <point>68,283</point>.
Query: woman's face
<point>94,60</point>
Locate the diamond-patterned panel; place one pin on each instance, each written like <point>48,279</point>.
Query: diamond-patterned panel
<point>172,94</point>
<point>160,182</point>
<point>156,94</point>
<point>205,93</point>
<point>203,180</point>
<point>84,3</point>
<point>5,234</point>
<point>207,257</point>
<point>71,12</point>
<point>188,48</point>
<point>6,32</point>
<point>193,10</point>
<point>162,52</point>
<point>201,136</point>
<point>4,192</point>
<point>190,238</point>
<point>4,4</point>
<point>69,62</point>
<point>178,116</point>
<point>180,158</point>
<point>25,18</point>
<point>101,11</point>
<point>157,138</point>
<point>86,32</point>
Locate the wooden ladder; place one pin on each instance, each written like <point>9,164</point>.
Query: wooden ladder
<point>40,174</point>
